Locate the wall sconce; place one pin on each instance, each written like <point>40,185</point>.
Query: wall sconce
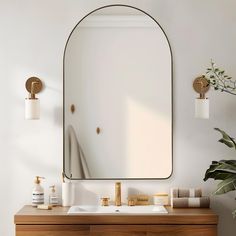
<point>201,86</point>
<point>32,104</point>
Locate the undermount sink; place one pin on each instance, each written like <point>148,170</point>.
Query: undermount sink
<point>92,209</point>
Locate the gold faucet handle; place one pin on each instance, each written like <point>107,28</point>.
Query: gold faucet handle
<point>131,202</point>
<point>105,201</point>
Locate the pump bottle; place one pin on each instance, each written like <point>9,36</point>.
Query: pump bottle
<point>53,198</point>
<point>38,192</point>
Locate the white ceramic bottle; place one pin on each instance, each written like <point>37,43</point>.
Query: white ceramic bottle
<point>68,191</point>
<point>68,194</point>
<point>38,192</point>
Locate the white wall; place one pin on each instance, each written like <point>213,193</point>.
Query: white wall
<point>32,39</point>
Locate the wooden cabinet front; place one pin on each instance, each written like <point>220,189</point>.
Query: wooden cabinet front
<point>153,230</point>
<point>179,222</point>
<point>52,230</point>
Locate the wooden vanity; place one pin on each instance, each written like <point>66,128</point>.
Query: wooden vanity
<point>30,221</point>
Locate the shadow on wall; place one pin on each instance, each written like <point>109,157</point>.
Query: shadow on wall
<point>223,205</point>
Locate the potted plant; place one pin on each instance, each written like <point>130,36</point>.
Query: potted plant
<point>224,170</point>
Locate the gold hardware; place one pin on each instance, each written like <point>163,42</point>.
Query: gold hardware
<point>105,201</point>
<point>201,86</point>
<point>140,199</point>
<point>72,108</point>
<point>33,85</point>
<point>118,193</point>
<point>131,202</point>
<point>98,130</point>
<point>37,179</point>
<point>161,195</point>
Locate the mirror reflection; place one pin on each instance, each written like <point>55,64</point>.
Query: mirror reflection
<point>117,97</point>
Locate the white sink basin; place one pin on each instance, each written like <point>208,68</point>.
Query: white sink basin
<point>90,209</point>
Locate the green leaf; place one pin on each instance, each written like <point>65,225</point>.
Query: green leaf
<point>221,72</point>
<point>226,185</point>
<point>218,175</point>
<point>221,170</point>
<point>226,139</point>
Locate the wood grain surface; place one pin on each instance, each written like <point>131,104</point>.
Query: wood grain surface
<point>178,222</point>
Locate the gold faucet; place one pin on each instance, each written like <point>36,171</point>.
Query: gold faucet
<point>118,193</point>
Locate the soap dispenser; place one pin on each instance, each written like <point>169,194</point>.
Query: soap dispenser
<point>38,192</point>
<point>53,198</point>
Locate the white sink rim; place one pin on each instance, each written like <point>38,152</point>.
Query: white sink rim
<point>117,210</point>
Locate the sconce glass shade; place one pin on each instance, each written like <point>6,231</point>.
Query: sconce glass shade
<point>202,108</point>
<point>32,109</point>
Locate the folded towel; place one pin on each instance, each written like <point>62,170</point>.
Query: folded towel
<point>174,193</point>
<point>201,202</point>
<point>190,192</point>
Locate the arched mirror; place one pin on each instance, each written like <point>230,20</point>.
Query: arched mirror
<point>118,97</point>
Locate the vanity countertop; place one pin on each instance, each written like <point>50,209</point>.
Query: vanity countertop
<point>29,215</point>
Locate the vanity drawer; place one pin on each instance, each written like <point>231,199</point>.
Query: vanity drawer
<point>116,230</point>
<point>52,230</point>
<point>153,230</point>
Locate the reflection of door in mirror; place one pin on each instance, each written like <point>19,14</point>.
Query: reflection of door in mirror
<point>118,76</point>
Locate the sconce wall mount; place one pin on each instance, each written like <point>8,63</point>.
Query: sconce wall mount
<point>32,104</point>
<point>201,86</point>
<point>33,85</point>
